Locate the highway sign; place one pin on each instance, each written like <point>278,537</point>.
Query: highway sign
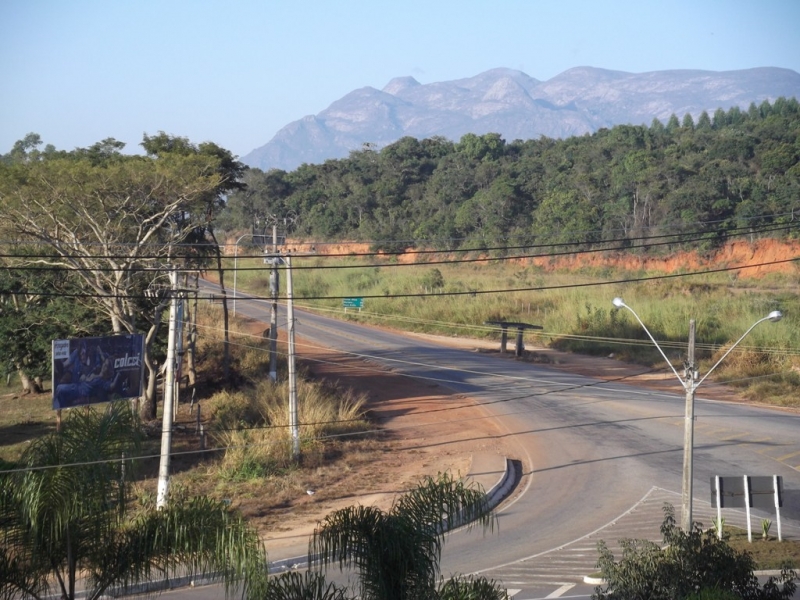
<point>353,303</point>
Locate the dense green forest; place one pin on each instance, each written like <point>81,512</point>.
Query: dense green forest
<point>733,171</point>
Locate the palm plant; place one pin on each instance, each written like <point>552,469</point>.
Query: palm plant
<point>65,522</point>
<point>470,587</point>
<point>396,554</point>
<point>307,586</point>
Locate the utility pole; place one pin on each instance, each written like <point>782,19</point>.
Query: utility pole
<point>169,395</point>
<point>690,384</point>
<point>273,320</point>
<point>292,373</point>
<point>688,432</point>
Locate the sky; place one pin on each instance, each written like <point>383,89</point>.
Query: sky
<point>235,72</point>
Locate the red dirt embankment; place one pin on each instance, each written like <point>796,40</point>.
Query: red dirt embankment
<point>758,258</point>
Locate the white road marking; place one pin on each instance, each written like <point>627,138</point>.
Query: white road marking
<point>562,590</point>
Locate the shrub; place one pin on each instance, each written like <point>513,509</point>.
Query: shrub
<point>690,563</point>
<point>471,587</point>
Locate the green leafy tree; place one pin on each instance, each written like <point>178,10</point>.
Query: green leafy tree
<point>396,553</point>
<point>198,242</point>
<point>114,221</point>
<point>684,565</point>
<point>32,314</point>
<point>66,522</point>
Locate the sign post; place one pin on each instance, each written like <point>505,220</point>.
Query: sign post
<point>748,492</point>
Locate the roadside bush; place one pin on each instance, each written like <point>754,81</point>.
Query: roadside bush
<point>688,564</point>
<point>470,587</point>
<point>253,425</point>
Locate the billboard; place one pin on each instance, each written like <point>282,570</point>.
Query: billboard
<point>95,370</point>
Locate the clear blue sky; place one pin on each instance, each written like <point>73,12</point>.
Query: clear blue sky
<point>235,71</point>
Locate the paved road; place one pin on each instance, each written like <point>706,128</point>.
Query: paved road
<point>591,452</point>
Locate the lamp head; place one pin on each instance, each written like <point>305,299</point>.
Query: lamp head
<point>775,316</point>
<point>618,302</point>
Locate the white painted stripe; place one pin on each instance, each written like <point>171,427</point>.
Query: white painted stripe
<point>562,590</point>
<point>512,593</point>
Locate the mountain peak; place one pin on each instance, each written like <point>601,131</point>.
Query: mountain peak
<point>400,84</point>
<point>511,103</point>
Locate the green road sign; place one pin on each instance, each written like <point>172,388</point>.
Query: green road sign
<point>353,303</point>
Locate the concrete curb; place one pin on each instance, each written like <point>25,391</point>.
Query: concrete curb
<point>503,486</point>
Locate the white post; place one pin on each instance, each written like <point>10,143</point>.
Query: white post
<point>688,436</point>
<point>747,504</point>
<point>291,359</point>
<point>777,505</point>
<point>235,265</point>
<point>719,507</point>
<point>169,385</point>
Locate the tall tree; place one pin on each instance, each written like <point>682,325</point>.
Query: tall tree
<point>33,313</point>
<point>114,221</point>
<point>197,220</point>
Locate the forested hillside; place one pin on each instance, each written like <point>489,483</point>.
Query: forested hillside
<point>729,173</point>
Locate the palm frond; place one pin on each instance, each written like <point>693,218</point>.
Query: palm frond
<point>71,517</point>
<point>445,502</point>
<point>189,537</point>
<point>307,586</point>
<point>397,553</point>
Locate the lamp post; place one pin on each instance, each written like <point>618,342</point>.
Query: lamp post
<point>690,385</point>
<point>235,260</point>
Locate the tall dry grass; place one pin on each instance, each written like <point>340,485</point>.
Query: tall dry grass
<point>575,311</point>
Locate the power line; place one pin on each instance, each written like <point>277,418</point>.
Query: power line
<point>434,294</point>
<point>646,244</point>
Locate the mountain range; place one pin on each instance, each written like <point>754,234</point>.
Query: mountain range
<point>509,102</point>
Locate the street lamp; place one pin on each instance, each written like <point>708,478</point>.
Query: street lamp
<point>690,385</point>
<point>235,260</point>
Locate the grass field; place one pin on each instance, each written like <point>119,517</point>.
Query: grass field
<point>574,310</point>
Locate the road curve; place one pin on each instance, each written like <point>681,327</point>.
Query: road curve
<point>590,450</point>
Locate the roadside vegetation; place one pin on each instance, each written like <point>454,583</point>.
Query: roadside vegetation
<point>575,311</point>
<point>689,565</point>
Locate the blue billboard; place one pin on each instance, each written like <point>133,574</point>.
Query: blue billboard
<point>95,370</point>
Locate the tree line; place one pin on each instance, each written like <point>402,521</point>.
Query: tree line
<point>736,169</point>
